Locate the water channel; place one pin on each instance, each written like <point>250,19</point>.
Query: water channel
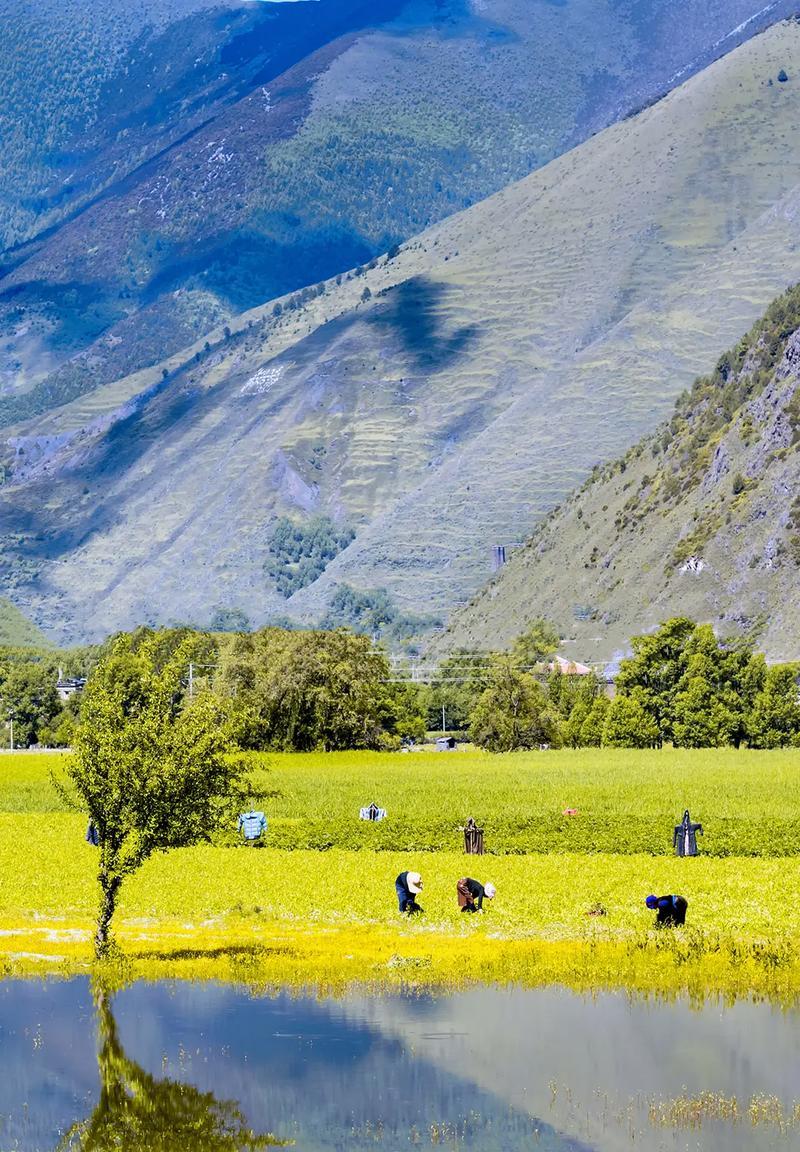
<point>174,1066</point>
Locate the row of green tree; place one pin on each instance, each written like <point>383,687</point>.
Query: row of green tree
<point>29,698</point>
<point>295,690</point>
<point>681,686</point>
<point>282,689</point>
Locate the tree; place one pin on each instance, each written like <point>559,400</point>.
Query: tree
<point>61,731</point>
<point>229,620</point>
<point>150,767</point>
<point>307,691</point>
<point>573,726</point>
<point>29,696</point>
<point>537,643</point>
<point>405,711</point>
<point>697,690</point>
<point>512,712</point>
<point>655,670</point>
<point>628,725</point>
<point>703,719</point>
<point>565,692</point>
<point>774,720</point>
<point>459,683</point>
<point>591,734</point>
<point>139,1113</point>
<point>715,693</point>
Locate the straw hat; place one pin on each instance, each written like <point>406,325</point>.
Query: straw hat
<point>490,891</point>
<point>414,881</point>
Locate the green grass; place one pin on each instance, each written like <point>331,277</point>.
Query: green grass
<point>628,801</point>
<point>293,914</point>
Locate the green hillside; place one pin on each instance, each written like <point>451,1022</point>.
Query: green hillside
<point>702,518</point>
<point>437,402</point>
<point>16,631</point>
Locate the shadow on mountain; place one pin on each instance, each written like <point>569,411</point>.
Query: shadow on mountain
<point>415,314</point>
<point>245,267</point>
<point>139,1113</point>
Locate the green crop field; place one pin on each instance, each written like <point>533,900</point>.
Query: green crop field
<point>317,903</point>
<point>628,801</point>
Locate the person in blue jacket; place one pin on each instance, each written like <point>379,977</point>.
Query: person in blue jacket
<point>670,910</point>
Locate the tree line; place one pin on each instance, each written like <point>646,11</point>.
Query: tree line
<point>681,686</point>
<point>293,690</point>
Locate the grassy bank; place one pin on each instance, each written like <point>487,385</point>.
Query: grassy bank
<point>329,918</point>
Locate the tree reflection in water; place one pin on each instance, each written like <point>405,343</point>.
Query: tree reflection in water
<point>137,1113</point>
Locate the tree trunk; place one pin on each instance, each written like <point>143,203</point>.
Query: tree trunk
<point>110,886</point>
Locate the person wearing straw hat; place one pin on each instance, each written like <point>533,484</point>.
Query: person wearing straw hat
<point>471,893</point>
<point>408,886</point>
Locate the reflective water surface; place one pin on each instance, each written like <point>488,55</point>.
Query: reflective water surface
<point>179,1066</point>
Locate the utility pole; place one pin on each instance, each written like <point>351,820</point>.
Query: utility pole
<point>444,729</point>
<point>10,726</point>
<point>192,669</point>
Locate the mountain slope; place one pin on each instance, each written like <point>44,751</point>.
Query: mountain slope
<point>16,631</point>
<point>183,163</point>
<point>702,519</point>
<point>441,402</point>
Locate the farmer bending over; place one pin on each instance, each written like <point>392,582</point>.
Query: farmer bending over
<point>471,894</point>
<point>671,909</point>
<point>408,885</point>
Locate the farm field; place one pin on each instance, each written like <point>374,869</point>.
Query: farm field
<point>294,913</point>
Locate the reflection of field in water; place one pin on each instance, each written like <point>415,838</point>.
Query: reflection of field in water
<point>489,1069</point>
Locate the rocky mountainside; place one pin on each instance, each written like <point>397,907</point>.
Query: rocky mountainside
<point>701,518</point>
<point>183,162</point>
<point>434,402</point>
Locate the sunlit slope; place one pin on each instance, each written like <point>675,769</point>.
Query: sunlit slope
<point>15,630</point>
<point>699,519</point>
<point>597,291</point>
<point>491,364</point>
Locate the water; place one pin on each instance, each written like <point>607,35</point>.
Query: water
<point>492,1069</point>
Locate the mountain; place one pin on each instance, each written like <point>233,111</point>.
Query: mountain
<point>434,402</point>
<point>182,162</point>
<point>701,518</point>
<point>16,631</point>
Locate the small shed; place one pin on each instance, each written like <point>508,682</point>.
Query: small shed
<point>446,744</point>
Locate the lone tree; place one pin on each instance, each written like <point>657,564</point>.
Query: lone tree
<point>150,767</point>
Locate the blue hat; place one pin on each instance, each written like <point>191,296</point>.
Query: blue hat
<point>652,901</point>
